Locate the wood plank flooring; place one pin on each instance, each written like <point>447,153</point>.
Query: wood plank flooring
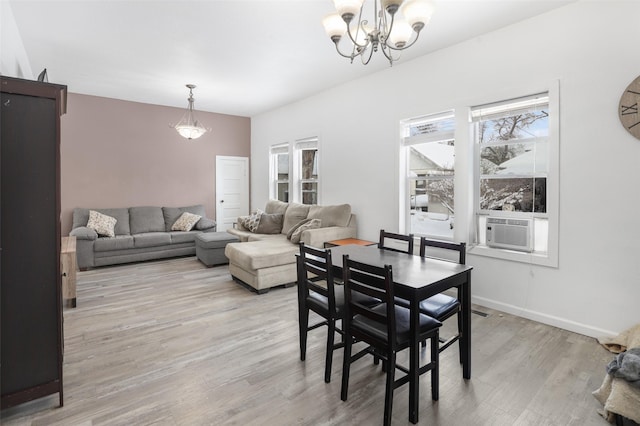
<point>174,343</point>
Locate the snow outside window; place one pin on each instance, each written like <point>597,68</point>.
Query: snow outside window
<point>512,139</point>
<point>429,160</point>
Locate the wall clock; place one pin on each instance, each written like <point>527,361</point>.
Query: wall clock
<point>628,108</point>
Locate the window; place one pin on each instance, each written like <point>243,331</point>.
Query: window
<point>280,172</point>
<point>307,170</point>
<point>513,167</point>
<point>429,158</point>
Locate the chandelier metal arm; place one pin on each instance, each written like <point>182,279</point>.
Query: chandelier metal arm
<point>386,32</point>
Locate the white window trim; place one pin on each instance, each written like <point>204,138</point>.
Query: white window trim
<point>296,181</point>
<point>405,143</point>
<point>553,194</point>
<point>283,148</point>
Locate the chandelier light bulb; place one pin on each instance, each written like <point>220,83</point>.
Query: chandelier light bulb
<point>417,13</point>
<point>401,33</point>
<point>334,26</point>
<point>347,9</point>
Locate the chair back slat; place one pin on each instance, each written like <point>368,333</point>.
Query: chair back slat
<point>405,241</point>
<point>364,279</point>
<point>459,248</point>
<point>315,267</point>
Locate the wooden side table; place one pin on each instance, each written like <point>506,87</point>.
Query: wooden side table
<point>346,241</point>
<point>69,267</point>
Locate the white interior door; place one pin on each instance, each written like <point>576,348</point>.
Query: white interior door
<point>232,190</point>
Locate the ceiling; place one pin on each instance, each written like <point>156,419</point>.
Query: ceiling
<point>245,56</point>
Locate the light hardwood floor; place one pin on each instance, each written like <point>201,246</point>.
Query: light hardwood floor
<point>175,343</point>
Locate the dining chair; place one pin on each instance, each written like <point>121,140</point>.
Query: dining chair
<point>317,292</point>
<point>401,240</point>
<point>442,306</point>
<point>384,327</point>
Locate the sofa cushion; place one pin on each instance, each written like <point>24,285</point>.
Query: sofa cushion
<point>119,242</point>
<point>185,222</point>
<point>81,218</point>
<point>151,239</point>
<point>331,215</point>
<point>275,206</point>
<point>146,219</point>
<point>312,224</point>
<point>178,237</point>
<point>270,223</point>
<point>294,214</point>
<point>171,214</point>
<point>101,223</point>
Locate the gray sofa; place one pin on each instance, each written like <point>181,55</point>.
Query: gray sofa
<point>262,261</point>
<point>141,233</point>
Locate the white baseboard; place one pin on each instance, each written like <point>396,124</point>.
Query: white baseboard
<point>552,320</point>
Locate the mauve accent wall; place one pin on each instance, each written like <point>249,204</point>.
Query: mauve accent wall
<point>121,154</point>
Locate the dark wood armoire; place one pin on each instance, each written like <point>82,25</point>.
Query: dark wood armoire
<point>30,280</point>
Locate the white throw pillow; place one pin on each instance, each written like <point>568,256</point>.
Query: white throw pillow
<point>102,224</point>
<point>185,222</point>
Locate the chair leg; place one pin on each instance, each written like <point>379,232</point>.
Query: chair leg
<point>346,365</point>
<point>459,315</point>
<point>303,321</point>
<point>331,325</point>
<point>435,372</point>
<point>388,394</point>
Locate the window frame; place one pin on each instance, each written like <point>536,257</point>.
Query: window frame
<point>550,257</point>
<point>274,152</point>
<point>406,142</point>
<point>299,146</point>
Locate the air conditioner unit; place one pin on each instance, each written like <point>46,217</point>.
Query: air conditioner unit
<point>514,234</point>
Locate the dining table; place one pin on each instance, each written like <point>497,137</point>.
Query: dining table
<point>415,279</point>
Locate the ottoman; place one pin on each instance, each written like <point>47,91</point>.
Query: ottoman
<point>263,264</point>
<point>210,247</point>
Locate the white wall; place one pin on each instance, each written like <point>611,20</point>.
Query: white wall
<point>13,57</point>
<point>590,48</point>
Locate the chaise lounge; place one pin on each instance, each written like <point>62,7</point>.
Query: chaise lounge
<point>265,257</point>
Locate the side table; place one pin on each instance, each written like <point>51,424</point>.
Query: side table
<point>346,241</point>
<point>69,266</point>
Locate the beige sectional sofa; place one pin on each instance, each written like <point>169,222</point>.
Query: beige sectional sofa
<point>265,260</point>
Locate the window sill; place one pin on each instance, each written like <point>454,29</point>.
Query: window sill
<point>542,259</point>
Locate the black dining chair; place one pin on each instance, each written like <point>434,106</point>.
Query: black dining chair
<point>442,306</point>
<point>317,292</point>
<point>384,327</point>
<point>404,241</point>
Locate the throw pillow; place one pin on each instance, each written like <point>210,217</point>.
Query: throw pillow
<point>296,226</point>
<point>312,224</point>
<point>185,222</point>
<point>205,223</point>
<point>270,223</point>
<point>252,221</point>
<point>102,224</point>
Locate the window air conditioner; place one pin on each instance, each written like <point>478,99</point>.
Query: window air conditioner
<point>514,234</point>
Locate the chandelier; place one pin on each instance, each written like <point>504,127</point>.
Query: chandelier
<point>188,126</point>
<point>388,32</point>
